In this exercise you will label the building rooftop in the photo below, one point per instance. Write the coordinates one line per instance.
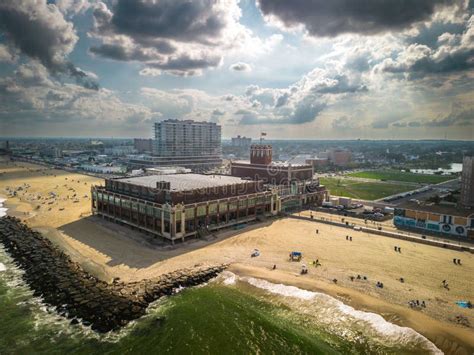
(273, 163)
(441, 209)
(183, 182)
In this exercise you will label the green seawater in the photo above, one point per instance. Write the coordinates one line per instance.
(212, 319)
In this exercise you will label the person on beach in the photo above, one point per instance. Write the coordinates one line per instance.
(459, 261)
(274, 266)
(454, 260)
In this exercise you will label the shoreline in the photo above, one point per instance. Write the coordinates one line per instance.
(107, 250)
(80, 296)
(447, 337)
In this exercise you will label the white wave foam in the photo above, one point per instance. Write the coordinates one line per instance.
(281, 289)
(401, 335)
(229, 278)
(3, 210)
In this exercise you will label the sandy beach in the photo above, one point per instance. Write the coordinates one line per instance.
(109, 250)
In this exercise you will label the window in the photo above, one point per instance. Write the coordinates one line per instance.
(189, 213)
(212, 208)
(201, 211)
(149, 211)
(233, 205)
(222, 207)
(157, 212)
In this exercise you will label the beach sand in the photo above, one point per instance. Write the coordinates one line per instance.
(109, 250)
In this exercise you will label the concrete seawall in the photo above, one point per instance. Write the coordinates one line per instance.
(79, 295)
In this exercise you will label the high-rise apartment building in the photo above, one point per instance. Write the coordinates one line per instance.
(467, 181)
(241, 141)
(186, 143)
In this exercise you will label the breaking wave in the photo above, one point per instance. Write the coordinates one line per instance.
(330, 312)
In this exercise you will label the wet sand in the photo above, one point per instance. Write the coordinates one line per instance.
(109, 250)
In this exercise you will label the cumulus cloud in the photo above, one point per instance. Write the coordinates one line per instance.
(240, 66)
(31, 98)
(332, 18)
(40, 31)
(179, 37)
(453, 52)
(303, 101)
(6, 54)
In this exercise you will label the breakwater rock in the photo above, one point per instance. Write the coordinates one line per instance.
(80, 296)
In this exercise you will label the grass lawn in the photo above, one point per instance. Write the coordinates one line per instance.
(394, 175)
(363, 190)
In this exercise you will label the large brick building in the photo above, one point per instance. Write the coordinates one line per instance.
(184, 205)
(261, 167)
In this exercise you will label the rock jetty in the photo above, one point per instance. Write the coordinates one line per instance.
(80, 296)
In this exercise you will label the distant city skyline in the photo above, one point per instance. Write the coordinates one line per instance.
(294, 69)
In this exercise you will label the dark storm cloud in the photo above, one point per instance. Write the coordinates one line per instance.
(186, 21)
(429, 34)
(185, 63)
(456, 61)
(331, 18)
(180, 37)
(81, 77)
(122, 53)
(41, 32)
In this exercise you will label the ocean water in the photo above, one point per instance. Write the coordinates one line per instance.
(229, 315)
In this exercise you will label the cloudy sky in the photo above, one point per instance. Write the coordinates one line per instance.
(311, 69)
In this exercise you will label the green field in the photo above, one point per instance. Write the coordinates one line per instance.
(395, 175)
(363, 190)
